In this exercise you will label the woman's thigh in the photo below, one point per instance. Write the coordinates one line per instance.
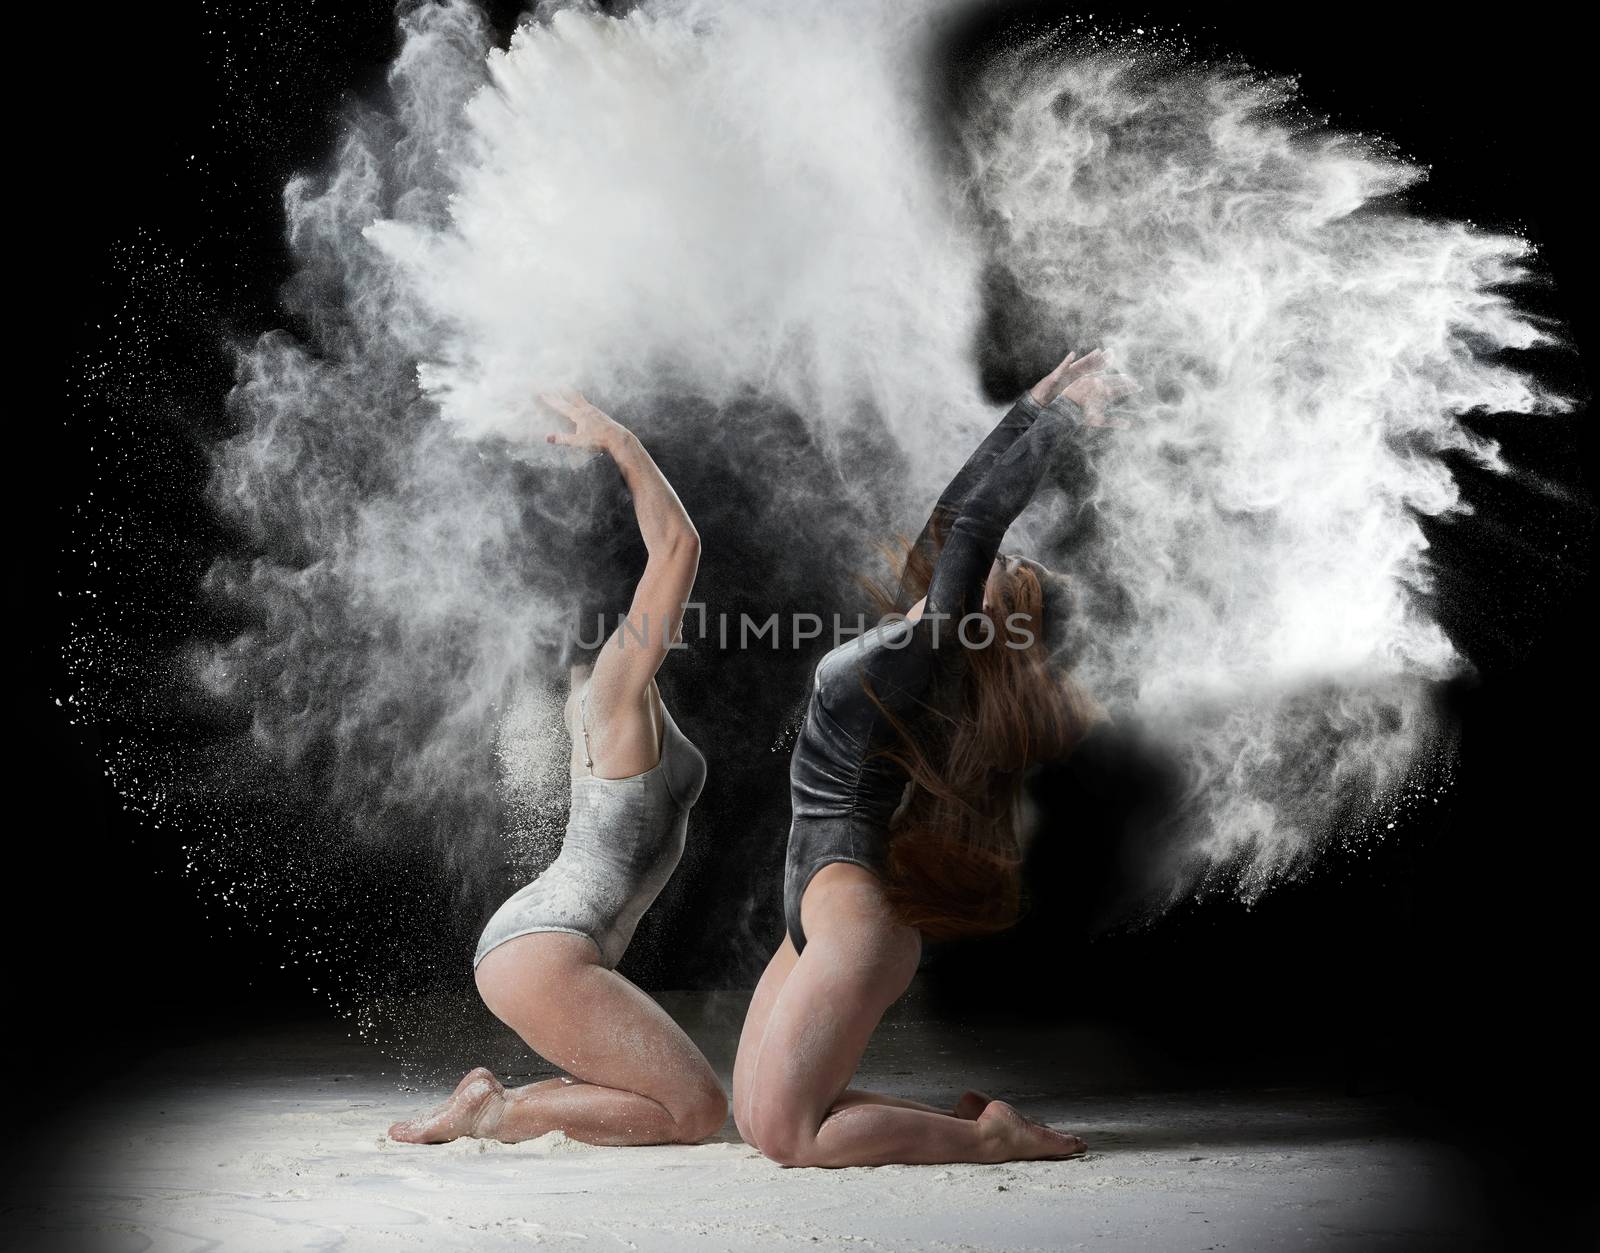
(857, 961)
(755, 1027)
(552, 990)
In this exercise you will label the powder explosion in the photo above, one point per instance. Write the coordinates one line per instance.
(716, 217)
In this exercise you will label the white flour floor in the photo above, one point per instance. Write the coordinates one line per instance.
(276, 1143)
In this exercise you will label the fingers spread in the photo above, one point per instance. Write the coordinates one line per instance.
(1089, 362)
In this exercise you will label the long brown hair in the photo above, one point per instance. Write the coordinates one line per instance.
(955, 866)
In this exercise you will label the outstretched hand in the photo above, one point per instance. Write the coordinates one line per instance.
(592, 429)
(1083, 381)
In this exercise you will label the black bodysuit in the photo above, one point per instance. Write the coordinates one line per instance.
(843, 795)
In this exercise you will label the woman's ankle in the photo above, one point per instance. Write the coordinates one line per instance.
(486, 1122)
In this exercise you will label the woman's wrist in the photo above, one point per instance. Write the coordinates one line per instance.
(1062, 405)
(1070, 408)
(618, 441)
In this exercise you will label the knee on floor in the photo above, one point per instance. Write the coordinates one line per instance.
(702, 1114)
(783, 1140)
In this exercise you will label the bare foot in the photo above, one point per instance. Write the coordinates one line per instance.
(1019, 1139)
(972, 1104)
(457, 1117)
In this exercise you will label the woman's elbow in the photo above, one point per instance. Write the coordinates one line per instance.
(677, 550)
(685, 545)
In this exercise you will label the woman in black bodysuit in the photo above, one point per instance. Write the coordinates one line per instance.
(954, 698)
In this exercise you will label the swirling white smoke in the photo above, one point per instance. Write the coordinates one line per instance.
(719, 200)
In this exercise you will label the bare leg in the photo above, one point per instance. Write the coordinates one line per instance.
(638, 1079)
(755, 1026)
(871, 1134)
(969, 1106)
(819, 1012)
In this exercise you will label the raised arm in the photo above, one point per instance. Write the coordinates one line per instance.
(991, 507)
(1012, 427)
(1062, 406)
(947, 509)
(634, 652)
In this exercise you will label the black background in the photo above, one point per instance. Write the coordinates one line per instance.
(1450, 968)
